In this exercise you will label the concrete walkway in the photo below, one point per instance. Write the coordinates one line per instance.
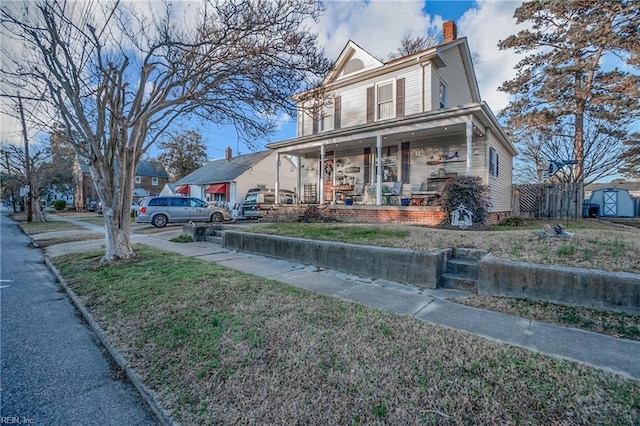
(620, 356)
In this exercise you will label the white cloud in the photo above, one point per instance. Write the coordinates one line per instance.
(378, 26)
(484, 27)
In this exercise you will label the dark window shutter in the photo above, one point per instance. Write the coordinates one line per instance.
(370, 102)
(405, 164)
(337, 111)
(315, 121)
(400, 97)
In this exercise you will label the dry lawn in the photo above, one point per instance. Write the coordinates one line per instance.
(597, 244)
(223, 347)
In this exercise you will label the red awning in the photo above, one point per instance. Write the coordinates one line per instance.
(217, 188)
(184, 189)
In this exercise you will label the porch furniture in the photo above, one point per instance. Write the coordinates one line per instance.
(358, 193)
(310, 194)
(392, 197)
(343, 191)
(429, 192)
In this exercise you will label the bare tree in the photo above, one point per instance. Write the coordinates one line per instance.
(413, 44)
(46, 173)
(539, 146)
(118, 75)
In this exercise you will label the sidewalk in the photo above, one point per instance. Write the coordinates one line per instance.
(620, 356)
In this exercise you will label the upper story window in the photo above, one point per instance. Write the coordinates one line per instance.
(384, 101)
(443, 94)
(326, 117)
(154, 181)
(138, 179)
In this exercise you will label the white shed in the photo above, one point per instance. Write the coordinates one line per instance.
(613, 202)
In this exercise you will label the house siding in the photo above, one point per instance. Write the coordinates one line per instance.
(500, 186)
(455, 77)
(263, 174)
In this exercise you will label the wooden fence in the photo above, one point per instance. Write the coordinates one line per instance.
(548, 201)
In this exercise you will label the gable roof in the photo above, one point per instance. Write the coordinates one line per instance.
(152, 168)
(221, 170)
(352, 60)
(343, 73)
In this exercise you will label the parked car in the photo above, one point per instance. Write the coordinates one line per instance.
(134, 207)
(161, 210)
(258, 200)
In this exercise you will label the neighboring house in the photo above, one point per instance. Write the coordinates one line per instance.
(227, 180)
(414, 122)
(150, 178)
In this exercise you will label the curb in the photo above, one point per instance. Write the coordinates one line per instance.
(145, 393)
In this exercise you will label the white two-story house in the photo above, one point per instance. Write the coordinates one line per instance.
(382, 138)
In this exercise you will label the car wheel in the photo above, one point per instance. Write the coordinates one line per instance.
(217, 217)
(160, 221)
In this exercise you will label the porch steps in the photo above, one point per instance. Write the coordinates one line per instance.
(461, 271)
(216, 237)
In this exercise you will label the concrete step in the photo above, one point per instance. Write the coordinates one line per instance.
(214, 239)
(468, 268)
(459, 282)
(468, 254)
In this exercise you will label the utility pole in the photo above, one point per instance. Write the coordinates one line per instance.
(27, 168)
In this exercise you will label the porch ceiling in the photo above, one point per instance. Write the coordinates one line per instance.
(364, 139)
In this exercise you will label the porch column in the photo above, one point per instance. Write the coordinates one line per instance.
(277, 186)
(322, 154)
(379, 170)
(469, 131)
(299, 191)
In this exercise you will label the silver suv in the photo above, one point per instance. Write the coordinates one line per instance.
(159, 211)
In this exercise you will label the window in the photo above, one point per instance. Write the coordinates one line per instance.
(390, 164)
(138, 179)
(154, 181)
(326, 118)
(179, 202)
(493, 162)
(443, 94)
(385, 101)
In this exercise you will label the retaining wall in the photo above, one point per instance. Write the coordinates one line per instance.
(418, 268)
(565, 285)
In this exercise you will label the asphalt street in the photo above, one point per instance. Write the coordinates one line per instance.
(53, 369)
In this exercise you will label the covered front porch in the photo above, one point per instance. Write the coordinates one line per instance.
(395, 163)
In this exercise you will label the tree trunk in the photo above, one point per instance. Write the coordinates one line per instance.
(578, 145)
(116, 194)
(37, 211)
(117, 235)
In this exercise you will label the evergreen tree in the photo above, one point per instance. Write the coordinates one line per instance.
(567, 83)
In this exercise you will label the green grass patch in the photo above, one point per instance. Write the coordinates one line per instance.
(220, 344)
(607, 322)
(351, 233)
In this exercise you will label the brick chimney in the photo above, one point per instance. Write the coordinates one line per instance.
(227, 154)
(449, 32)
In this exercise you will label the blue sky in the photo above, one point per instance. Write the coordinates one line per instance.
(378, 26)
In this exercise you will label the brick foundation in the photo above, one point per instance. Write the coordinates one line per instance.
(416, 215)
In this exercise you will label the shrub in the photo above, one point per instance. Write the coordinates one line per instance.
(59, 205)
(469, 191)
(512, 221)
